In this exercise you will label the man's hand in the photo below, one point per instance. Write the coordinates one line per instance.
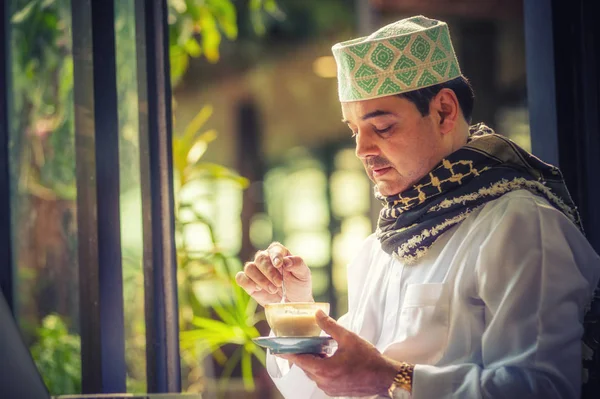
(262, 277)
(356, 369)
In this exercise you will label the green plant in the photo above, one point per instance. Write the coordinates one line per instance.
(235, 324)
(230, 318)
(196, 28)
(57, 354)
(42, 66)
(188, 170)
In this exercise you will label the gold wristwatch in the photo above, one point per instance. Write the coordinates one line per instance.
(403, 379)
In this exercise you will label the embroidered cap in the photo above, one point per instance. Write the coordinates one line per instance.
(406, 55)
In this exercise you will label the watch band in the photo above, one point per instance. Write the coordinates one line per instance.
(403, 379)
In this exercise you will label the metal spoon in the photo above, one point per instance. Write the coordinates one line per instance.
(282, 287)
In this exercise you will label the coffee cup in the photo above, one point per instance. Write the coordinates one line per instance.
(295, 319)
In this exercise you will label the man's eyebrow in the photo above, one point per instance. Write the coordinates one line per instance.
(375, 114)
(370, 115)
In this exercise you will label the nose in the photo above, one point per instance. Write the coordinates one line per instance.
(365, 146)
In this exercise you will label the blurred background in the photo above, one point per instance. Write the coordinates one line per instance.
(259, 154)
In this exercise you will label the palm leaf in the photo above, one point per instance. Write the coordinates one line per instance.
(247, 369)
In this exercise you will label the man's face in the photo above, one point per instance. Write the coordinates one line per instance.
(396, 145)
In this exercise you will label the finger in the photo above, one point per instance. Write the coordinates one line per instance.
(277, 252)
(246, 283)
(261, 296)
(296, 267)
(251, 270)
(311, 376)
(309, 363)
(330, 326)
(292, 359)
(265, 265)
(287, 356)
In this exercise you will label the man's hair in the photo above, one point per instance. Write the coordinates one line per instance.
(460, 86)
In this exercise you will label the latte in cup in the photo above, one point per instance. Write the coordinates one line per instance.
(295, 319)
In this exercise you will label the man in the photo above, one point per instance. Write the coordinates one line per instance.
(476, 280)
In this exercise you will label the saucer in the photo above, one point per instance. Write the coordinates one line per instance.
(282, 345)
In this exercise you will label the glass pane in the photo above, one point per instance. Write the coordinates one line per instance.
(131, 200)
(43, 199)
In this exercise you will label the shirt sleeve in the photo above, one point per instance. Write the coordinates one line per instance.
(292, 382)
(535, 274)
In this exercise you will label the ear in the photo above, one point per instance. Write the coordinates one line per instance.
(445, 105)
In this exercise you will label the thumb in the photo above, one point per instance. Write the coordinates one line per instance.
(330, 326)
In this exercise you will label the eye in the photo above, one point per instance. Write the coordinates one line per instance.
(381, 131)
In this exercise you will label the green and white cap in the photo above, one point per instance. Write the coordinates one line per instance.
(406, 55)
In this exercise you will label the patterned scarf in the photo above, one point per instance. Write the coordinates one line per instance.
(487, 167)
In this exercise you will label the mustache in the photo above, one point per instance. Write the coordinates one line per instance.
(377, 162)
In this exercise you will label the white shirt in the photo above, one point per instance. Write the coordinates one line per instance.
(493, 310)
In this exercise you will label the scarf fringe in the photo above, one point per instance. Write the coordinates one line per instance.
(497, 189)
(404, 250)
(504, 186)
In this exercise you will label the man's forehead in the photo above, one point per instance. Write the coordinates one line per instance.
(363, 110)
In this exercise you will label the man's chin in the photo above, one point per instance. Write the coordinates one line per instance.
(388, 190)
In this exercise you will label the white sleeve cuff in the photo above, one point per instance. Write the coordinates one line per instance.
(291, 382)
